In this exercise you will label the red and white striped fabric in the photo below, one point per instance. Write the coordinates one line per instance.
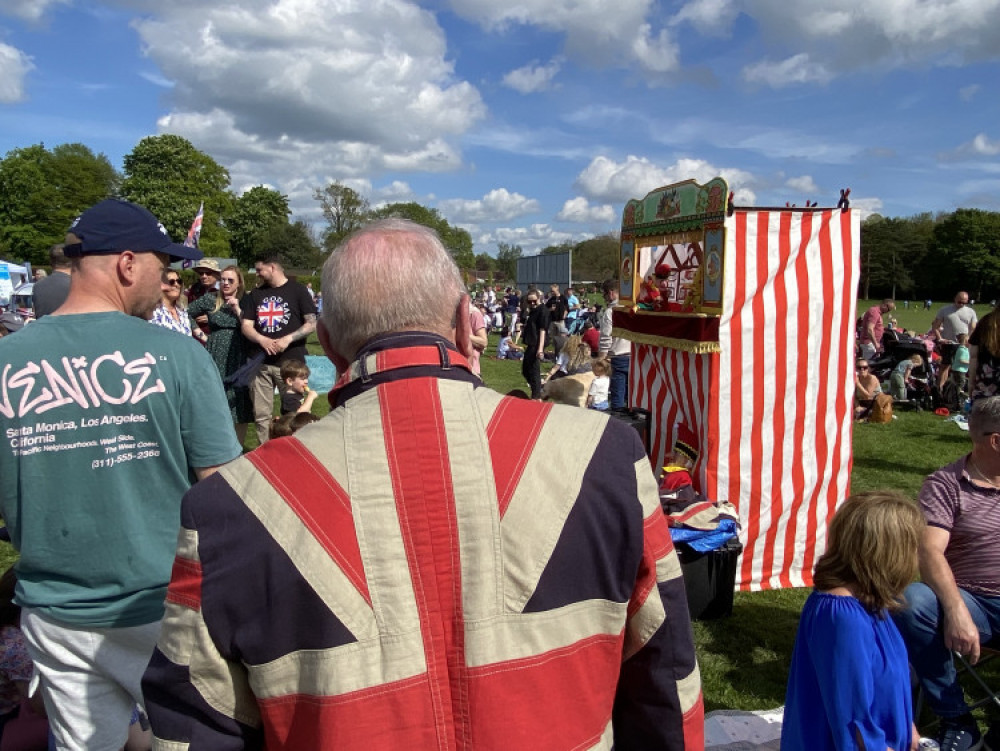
(772, 410)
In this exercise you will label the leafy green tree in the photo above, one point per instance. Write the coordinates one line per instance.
(507, 255)
(970, 239)
(344, 209)
(485, 266)
(294, 243)
(596, 259)
(255, 212)
(171, 178)
(457, 240)
(892, 250)
(43, 191)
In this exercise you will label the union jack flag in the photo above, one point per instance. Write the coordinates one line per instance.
(272, 313)
(194, 234)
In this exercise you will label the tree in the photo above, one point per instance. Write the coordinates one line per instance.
(485, 266)
(256, 211)
(42, 192)
(892, 249)
(457, 240)
(970, 239)
(293, 242)
(344, 209)
(171, 178)
(597, 258)
(507, 255)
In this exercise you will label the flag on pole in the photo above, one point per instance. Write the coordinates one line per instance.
(194, 234)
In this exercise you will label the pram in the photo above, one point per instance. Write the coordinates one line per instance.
(922, 392)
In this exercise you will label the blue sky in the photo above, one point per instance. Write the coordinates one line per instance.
(528, 121)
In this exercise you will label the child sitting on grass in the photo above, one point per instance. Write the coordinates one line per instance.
(506, 349)
(597, 396)
(296, 397)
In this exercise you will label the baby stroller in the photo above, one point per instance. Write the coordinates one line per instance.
(922, 391)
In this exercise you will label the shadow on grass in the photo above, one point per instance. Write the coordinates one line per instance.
(744, 659)
(890, 465)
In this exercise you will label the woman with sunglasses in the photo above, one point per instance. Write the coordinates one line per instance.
(170, 313)
(866, 388)
(224, 341)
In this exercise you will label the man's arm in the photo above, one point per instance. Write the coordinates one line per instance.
(202, 472)
(479, 339)
(960, 632)
(936, 327)
(604, 345)
(265, 343)
(302, 332)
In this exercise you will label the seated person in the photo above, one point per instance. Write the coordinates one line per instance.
(506, 349)
(866, 387)
(597, 393)
(573, 358)
(956, 606)
(296, 397)
(591, 337)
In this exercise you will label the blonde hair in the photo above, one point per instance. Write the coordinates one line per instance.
(601, 367)
(240, 287)
(872, 549)
(577, 354)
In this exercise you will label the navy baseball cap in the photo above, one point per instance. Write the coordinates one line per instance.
(114, 225)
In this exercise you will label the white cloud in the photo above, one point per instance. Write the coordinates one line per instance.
(867, 206)
(847, 35)
(27, 10)
(395, 192)
(968, 93)
(532, 77)
(804, 184)
(608, 180)
(579, 210)
(595, 33)
(796, 69)
(531, 239)
(709, 17)
(984, 146)
(14, 67)
(499, 205)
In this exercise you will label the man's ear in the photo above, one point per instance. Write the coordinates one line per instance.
(324, 339)
(463, 327)
(126, 265)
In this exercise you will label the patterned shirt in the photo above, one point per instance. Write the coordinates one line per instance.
(162, 317)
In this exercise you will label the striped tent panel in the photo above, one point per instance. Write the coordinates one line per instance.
(673, 385)
(779, 422)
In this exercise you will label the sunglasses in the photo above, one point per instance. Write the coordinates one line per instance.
(863, 367)
(228, 281)
(173, 282)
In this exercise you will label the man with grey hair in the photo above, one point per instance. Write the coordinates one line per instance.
(956, 606)
(431, 565)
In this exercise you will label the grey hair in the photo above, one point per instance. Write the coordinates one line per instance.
(984, 417)
(362, 280)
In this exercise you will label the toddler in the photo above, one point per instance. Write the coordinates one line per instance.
(296, 397)
(597, 397)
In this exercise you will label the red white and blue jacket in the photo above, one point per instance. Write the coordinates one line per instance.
(431, 566)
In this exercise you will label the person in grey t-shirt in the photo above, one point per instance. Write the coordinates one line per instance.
(50, 292)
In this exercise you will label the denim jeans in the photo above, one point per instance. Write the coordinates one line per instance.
(618, 391)
(920, 625)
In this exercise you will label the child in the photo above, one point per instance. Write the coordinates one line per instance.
(506, 349)
(849, 681)
(573, 358)
(960, 364)
(902, 375)
(296, 397)
(597, 397)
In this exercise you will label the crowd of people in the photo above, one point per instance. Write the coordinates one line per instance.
(424, 567)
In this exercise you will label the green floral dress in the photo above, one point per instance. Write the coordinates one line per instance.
(228, 349)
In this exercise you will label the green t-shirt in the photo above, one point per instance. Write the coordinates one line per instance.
(103, 418)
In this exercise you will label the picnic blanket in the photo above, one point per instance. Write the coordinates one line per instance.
(734, 730)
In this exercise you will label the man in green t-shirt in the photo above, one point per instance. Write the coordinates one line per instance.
(105, 422)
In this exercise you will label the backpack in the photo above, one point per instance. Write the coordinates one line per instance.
(881, 410)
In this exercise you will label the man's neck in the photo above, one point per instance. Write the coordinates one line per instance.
(985, 466)
(278, 280)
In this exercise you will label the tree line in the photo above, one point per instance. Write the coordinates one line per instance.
(931, 256)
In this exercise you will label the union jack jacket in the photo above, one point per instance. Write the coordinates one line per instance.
(431, 566)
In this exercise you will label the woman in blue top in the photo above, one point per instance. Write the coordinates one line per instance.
(849, 682)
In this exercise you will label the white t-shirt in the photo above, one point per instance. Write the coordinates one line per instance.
(599, 388)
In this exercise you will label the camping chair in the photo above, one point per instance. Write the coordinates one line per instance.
(989, 695)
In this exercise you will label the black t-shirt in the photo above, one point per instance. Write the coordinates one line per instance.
(538, 321)
(291, 401)
(278, 311)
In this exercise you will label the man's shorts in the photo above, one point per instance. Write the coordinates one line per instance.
(947, 351)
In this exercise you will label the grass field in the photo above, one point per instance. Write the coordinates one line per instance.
(744, 658)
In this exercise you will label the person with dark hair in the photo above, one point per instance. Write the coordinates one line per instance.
(131, 415)
(50, 291)
(278, 317)
(615, 349)
(849, 681)
(955, 607)
(984, 357)
(533, 333)
(397, 576)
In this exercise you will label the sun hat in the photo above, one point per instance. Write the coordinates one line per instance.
(208, 263)
(114, 226)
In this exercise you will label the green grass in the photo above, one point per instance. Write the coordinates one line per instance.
(744, 659)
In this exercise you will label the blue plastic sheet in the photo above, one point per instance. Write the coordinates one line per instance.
(322, 374)
(702, 541)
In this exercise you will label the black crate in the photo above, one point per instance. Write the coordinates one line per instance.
(639, 419)
(709, 579)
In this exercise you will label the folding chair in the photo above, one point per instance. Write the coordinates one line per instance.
(990, 695)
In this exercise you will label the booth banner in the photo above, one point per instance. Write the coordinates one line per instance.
(773, 408)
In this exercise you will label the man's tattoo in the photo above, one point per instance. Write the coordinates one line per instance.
(306, 329)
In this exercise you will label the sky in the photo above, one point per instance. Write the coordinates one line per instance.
(528, 122)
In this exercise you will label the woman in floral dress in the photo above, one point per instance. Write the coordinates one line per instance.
(224, 341)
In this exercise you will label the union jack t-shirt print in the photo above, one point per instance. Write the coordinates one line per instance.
(272, 314)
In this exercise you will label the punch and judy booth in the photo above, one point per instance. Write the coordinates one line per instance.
(742, 324)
